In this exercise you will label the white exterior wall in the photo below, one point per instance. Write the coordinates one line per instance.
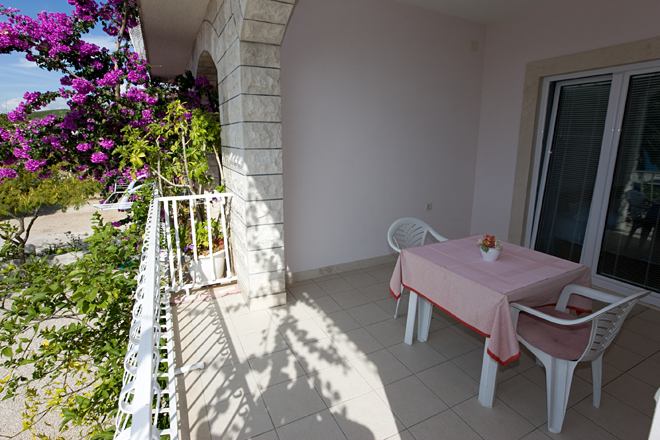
(543, 30)
(380, 111)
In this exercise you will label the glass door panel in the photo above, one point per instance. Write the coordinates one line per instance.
(579, 116)
(630, 247)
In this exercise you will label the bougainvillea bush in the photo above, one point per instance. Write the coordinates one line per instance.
(63, 329)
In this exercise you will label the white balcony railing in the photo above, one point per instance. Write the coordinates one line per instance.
(171, 261)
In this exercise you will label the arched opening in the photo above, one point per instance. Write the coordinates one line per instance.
(206, 69)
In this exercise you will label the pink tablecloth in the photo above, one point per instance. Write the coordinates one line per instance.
(453, 277)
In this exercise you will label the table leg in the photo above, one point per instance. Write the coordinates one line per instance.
(488, 378)
(424, 321)
(410, 322)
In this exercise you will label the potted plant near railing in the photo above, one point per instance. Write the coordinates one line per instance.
(202, 270)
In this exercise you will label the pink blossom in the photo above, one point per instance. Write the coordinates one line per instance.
(7, 173)
(85, 146)
(99, 157)
(33, 165)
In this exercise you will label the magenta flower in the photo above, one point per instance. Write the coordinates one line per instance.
(7, 173)
(33, 165)
(85, 146)
(107, 144)
(99, 157)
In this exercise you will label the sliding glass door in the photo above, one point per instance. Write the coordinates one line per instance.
(598, 184)
(630, 245)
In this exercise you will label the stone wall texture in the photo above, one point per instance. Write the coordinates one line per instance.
(243, 39)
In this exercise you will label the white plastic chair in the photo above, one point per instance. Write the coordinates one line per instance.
(120, 198)
(409, 232)
(560, 341)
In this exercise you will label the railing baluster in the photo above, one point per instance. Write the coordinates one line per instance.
(175, 210)
(193, 228)
(207, 202)
(168, 238)
(223, 218)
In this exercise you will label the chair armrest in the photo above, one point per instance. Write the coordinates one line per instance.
(559, 321)
(436, 235)
(588, 292)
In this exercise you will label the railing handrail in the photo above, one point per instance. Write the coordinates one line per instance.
(151, 337)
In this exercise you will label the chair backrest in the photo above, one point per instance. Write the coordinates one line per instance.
(409, 232)
(606, 324)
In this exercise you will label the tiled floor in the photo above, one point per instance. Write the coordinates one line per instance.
(331, 365)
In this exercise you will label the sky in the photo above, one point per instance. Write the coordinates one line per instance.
(17, 75)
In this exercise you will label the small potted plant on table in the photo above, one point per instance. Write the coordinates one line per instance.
(490, 247)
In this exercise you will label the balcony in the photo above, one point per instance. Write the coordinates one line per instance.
(331, 364)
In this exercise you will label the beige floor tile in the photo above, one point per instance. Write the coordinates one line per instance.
(309, 290)
(261, 343)
(451, 342)
(580, 388)
(403, 435)
(411, 400)
(577, 427)
(292, 312)
(525, 397)
(339, 383)
(351, 298)
(334, 285)
(194, 422)
(497, 423)
(621, 358)
(270, 435)
(368, 314)
(235, 408)
(303, 331)
(610, 372)
(381, 273)
(260, 320)
(634, 392)
(648, 371)
(389, 304)
(319, 426)
(446, 426)
(617, 418)
(449, 383)
(339, 322)
(274, 368)
(359, 278)
(417, 357)
(535, 435)
(647, 327)
(356, 342)
(292, 400)
(380, 368)
(366, 418)
(649, 314)
(389, 332)
(471, 362)
(315, 356)
(321, 307)
(637, 343)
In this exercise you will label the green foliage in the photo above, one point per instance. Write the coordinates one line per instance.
(176, 148)
(69, 324)
(30, 195)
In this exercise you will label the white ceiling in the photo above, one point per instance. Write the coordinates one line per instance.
(481, 11)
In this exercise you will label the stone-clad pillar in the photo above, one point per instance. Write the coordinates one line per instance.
(243, 38)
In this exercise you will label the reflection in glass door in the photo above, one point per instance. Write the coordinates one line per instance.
(574, 143)
(630, 248)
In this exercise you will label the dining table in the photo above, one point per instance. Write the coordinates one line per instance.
(453, 277)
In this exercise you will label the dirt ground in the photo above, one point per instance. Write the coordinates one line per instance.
(50, 229)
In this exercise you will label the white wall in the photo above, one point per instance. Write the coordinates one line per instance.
(380, 116)
(543, 30)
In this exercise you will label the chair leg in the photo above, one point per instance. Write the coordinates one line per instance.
(396, 309)
(410, 321)
(424, 320)
(558, 376)
(597, 379)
